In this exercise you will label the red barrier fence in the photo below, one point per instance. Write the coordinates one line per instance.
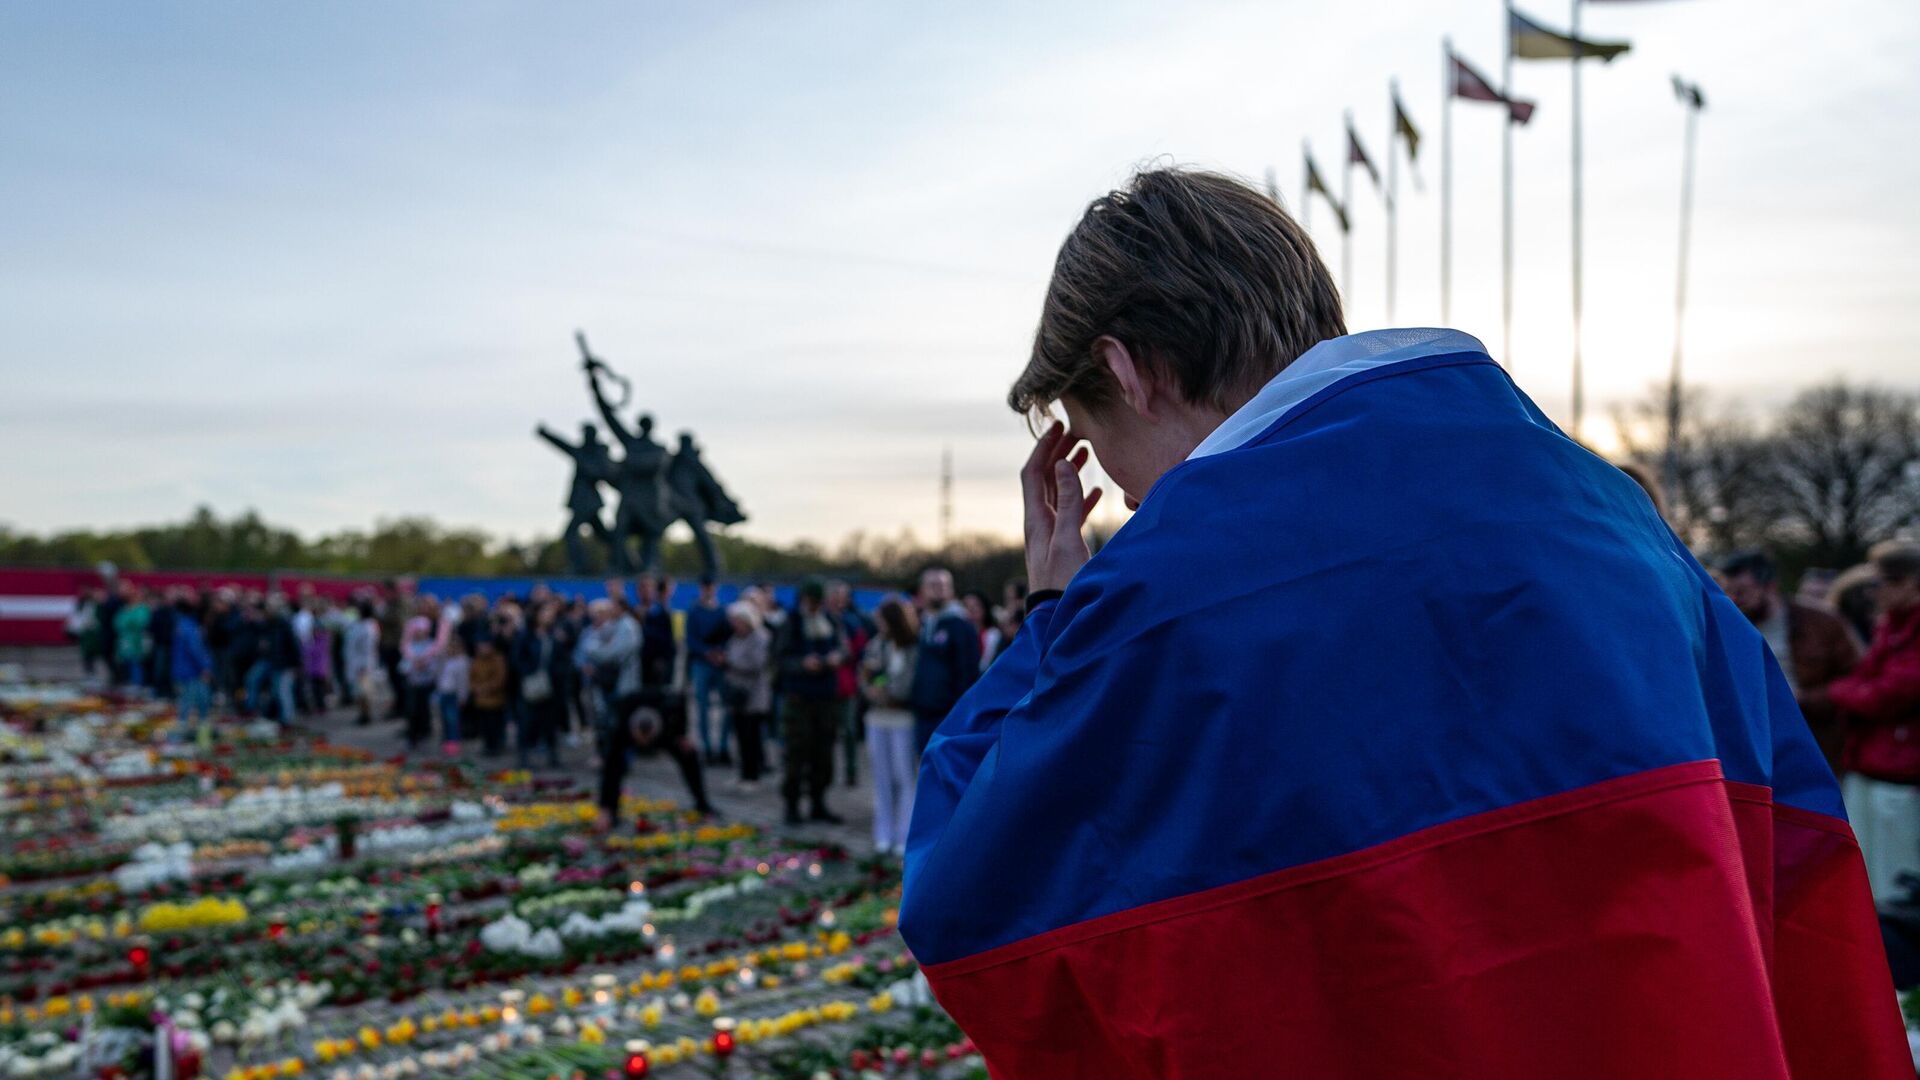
(35, 603)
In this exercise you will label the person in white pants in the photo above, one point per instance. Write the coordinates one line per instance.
(887, 678)
(1882, 697)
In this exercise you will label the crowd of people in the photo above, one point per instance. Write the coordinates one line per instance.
(717, 686)
(1849, 647)
(710, 686)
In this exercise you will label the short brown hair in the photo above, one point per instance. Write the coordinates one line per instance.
(1197, 274)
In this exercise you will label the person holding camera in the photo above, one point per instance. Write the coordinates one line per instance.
(632, 715)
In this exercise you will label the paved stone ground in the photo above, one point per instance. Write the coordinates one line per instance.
(650, 776)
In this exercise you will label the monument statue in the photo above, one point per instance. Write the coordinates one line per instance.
(655, 488)
(592, 464)
(699, 499)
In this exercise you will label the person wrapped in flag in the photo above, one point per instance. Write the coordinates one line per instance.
(1394, 736)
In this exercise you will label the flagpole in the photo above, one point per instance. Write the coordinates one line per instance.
(1393, 188)
(1446, 186)
(1680, 301)
(1346, 234)
(1579, 387)
(1506, 201)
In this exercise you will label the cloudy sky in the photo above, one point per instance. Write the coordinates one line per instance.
(325, 260)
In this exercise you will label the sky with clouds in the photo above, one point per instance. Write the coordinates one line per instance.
(325, 260)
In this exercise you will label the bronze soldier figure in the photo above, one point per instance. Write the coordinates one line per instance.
(698, 499)
(592, 465)
(639, 477)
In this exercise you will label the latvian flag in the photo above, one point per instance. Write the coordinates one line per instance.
(1471, 85)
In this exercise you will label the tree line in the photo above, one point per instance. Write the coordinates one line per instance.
(1818, 482)
(415, 545)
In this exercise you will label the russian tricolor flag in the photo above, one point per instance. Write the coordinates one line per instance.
(1395, 736)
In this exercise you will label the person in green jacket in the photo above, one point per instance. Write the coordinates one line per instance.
(130, 638)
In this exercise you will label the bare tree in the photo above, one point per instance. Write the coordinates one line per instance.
(1846, 469)
(1715, 474)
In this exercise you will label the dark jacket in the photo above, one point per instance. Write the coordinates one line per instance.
(245, 640)
(707, 628)
(526, 655)
(219, 632)
(280, 648)
(795, 644)
(160, 629)
(657, 649)
(109, 634)
(949, 663)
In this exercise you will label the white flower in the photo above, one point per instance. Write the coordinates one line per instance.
(507, 934)
(546, 943)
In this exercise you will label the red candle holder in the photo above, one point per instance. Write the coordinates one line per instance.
(637, 1064)
(723, 1038)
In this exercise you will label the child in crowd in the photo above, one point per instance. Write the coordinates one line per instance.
(451, 689)
(487, 683)
(420, 663)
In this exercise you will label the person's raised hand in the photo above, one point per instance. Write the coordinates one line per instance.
(1056, 509)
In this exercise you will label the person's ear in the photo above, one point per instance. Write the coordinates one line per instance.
(1134, 381)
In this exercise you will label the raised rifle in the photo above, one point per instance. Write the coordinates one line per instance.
(596, 367)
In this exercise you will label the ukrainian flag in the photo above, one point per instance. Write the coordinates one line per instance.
(1531, 41)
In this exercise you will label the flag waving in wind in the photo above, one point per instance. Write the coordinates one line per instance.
(1531, 41)
(1357, 154)
(1471, 85)
(1403, 128)
(1689, 92)
(1317, 185)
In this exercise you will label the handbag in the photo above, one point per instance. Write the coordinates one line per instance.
(537, 685)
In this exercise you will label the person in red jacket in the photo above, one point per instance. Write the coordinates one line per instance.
(1882, 696)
